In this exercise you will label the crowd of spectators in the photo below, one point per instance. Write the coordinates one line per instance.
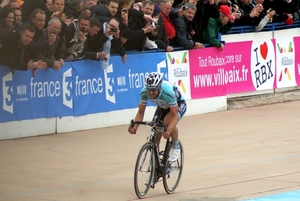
(36, 34)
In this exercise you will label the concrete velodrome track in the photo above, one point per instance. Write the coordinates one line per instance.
(229, 155)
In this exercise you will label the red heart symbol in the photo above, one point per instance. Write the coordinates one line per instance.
(264, 50)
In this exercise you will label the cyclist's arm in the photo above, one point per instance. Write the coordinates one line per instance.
(140, 114)
(174, 119)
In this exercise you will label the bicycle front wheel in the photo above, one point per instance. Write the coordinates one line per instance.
(173, 171)
(144, 170)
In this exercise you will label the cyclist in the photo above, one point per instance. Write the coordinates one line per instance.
(171, 106)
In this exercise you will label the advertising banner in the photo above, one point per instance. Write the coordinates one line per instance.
(179, 71)
(297, 59)
(28, 97)
(116, 87)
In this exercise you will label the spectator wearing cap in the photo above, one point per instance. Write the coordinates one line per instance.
(221, 24)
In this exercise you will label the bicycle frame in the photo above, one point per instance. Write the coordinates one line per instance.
(159, 161)
(154, 130)
(150, 166)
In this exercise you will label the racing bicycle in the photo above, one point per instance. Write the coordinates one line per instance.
(153, 166)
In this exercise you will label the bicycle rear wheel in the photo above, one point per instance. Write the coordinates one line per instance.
(144, 170)
(173, 171)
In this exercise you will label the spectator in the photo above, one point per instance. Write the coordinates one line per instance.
(49, 5)
(93, 42)
(89, 3)
(29, 6)
(141, 29)
(112, 44)
(104, 12)
(284, 10)
(184, 32)
(221, 24)
(266, 17)
(20, 2)
(14, 4)
(162, 41)
(265, 20)
(169, 28)
(75, 37)
(18, 18)
(38, 18)
(3, 4)
(251, 14)
(205, 9)
(7, 20)
(58, 11)
(180, 5)
(138, 6)
(52, 55)
(17, 43)
(73, 9)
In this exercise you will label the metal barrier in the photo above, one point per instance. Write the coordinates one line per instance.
(268, 27)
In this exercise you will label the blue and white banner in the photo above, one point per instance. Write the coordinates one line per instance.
(26, 97)
(115, 88)
(78, 88)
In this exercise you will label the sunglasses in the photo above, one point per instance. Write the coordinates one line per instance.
(151, 89)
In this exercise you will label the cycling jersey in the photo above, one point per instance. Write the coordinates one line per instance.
(168, 96)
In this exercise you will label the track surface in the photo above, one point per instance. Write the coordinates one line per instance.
(229, 155)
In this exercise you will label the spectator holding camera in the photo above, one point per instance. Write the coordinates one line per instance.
(161, 41)
(52, 55)
(183, 28)
(75, 37)
(109, 42)
(251, 14)
(140, 29)
(284, 10)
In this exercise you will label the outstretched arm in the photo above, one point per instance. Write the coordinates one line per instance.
(138, 117)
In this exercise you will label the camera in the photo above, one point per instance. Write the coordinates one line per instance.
(124, 10)
(184, 7)
(112, 29)
(152, 24)
(53, 31)
(82, 29)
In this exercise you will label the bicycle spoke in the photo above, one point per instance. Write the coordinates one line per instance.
(144, 171)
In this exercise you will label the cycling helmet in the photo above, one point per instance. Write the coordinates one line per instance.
(153, 80)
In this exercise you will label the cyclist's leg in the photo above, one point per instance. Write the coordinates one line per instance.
(174, 134)
(181, 111)
(158, 117)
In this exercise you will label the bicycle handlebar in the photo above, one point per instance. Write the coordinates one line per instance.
(148, 123)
